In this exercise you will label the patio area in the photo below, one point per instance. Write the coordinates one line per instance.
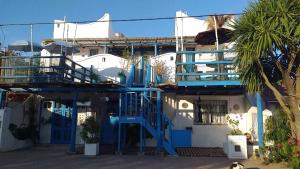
(55, 157)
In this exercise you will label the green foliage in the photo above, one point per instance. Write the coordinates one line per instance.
(287, 152)
(94, 78)
(234, 124)
(267, 30)
(277, 128)
(90, 131)
(121, 73)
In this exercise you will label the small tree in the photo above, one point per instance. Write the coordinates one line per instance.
(90, 131)
(267, 40)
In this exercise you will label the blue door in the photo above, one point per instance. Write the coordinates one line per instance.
(61, 125)
(109, 130)
(182, 138)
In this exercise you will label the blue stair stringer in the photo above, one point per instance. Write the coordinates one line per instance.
(140, 120)
(138, 106)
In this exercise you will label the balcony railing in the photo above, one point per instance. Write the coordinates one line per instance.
(42, 69)
(206, 68)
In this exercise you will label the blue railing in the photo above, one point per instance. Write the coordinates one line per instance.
(42, 69)
(206, 68)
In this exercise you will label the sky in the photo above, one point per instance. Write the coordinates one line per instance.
(33, 11)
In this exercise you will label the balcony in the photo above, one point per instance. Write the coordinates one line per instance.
(206, 68)
(42, 69)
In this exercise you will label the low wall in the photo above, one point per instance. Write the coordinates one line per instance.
(7, 141)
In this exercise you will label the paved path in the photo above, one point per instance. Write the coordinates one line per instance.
(55, 157)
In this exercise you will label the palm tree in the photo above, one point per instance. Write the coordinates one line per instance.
(267, 40)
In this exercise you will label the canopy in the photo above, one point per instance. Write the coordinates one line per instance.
(209, 37)
(25, 46)
(60, 46)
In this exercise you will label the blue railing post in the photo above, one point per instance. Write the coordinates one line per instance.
(260, 120)
(155, 49)
(158, 120)
(148, 75)
(72, 146)
(141, 78)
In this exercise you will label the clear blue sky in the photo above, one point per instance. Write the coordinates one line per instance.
(29, 11)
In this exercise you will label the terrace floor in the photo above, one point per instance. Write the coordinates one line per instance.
(55, 157)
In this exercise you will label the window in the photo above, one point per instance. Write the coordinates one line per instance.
(103, 59)
(210, 111)
(171, 58)
(93, 52)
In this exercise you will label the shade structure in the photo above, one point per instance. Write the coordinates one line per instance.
(60, 47)
(25, 46)
(209, 37)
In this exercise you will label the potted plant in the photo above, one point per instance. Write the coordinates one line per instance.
(236, 141)
(122, 77)
(90, 135)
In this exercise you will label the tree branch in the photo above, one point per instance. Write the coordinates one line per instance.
(277, 94)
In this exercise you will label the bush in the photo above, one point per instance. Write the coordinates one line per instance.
(90, 131)
(277, 128)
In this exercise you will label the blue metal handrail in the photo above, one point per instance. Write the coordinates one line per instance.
(219, 71)
(204, 51)
(31, 70)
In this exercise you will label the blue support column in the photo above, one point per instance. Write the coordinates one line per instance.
(260, 120)
(130, 104)
(63, 110)
(141, 74)
(158, 120)
(136, 103)
(141, 138)
(72, 146)
(119, 129)
(125, 104)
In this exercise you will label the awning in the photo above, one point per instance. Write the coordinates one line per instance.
(25, 46)
(209, 37)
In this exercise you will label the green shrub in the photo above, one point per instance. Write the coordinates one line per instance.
(90, 131)
(277, 128)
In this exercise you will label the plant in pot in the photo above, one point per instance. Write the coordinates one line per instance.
(236, 141)
(161, 69)
(90, 135)
(122, 77)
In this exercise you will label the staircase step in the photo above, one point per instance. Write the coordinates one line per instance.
(200, 152)
(131, 119)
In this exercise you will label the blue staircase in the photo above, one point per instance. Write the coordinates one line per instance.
(156, 135)
(142, 105)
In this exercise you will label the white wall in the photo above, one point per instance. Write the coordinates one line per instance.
(204, 135)
(107, 66)
(211, 135)
(170, 64)
(63, 30)
(45, 130)
(188, 26)
(7, 141)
